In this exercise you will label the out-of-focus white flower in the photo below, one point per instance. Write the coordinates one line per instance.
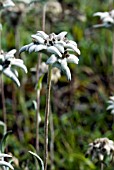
(7, 64)
(111, 104)
(6, 4)
(100, 148)
(3, 162)
(107, 19)
(53, 10)
(59, 46)
(55, 75)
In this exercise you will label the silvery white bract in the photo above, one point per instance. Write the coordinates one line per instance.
(6, 4)
(107, 19)
(3, 163)
(8, 63)
(100, 148)
(58, 46)
(111, 104)
(61, 63)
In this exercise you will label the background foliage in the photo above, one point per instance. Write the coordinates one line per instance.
(78, 107)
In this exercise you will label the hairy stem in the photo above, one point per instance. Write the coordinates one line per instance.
(37, 77)
(52, 140)
(3, 101)
(102, 166)
(38, 104)
(113, 51)
(0, 38)
(47, 110)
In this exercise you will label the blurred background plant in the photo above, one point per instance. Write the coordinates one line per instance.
(79, 108)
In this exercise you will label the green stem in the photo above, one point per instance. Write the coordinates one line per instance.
(47, 110)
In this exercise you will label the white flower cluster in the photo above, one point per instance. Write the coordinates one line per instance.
(58, 46)
(7, 64)
(107, 19)
(6, 4)
(111, 104)
(3, 163)
(100, 149)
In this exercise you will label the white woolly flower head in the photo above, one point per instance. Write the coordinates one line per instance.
(107, 19)
(100, 148)
(8, 62)
(60, 49)
(6, 4)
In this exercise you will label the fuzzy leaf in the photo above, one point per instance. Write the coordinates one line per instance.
(52, 59)
(9, 73)
(4, 163)
(42, 34)
(54, 50)
(38, 39)
(62, 35)
(17, 62)
(72, 59)
(3, 155)
(59, 47)
(25, 47)
(32, 48)
(69, 45)
(40, 47)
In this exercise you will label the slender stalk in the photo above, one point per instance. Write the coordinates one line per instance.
(3, 101)
(0, 31)
(37, 77)
(38, 105)
(102, 166)
(52, 140)
(113, 51)
(47, 110)
(14, 102)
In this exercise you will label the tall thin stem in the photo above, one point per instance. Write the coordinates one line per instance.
(0, 31)
(47, 110)
(38, 105)
(113, 51)
(52, 140)
(102, 166)
(37, 77)
(3, 101)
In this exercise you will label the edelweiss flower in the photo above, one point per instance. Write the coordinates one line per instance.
(7, 61)
(4, 163)
(111, 104)
(100, 148)
(107, 19)
(6, 3)
(58, 46)
(61, 63)
(55, 75)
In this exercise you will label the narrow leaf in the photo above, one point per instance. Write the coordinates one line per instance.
(3, 141)
(38, 158)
